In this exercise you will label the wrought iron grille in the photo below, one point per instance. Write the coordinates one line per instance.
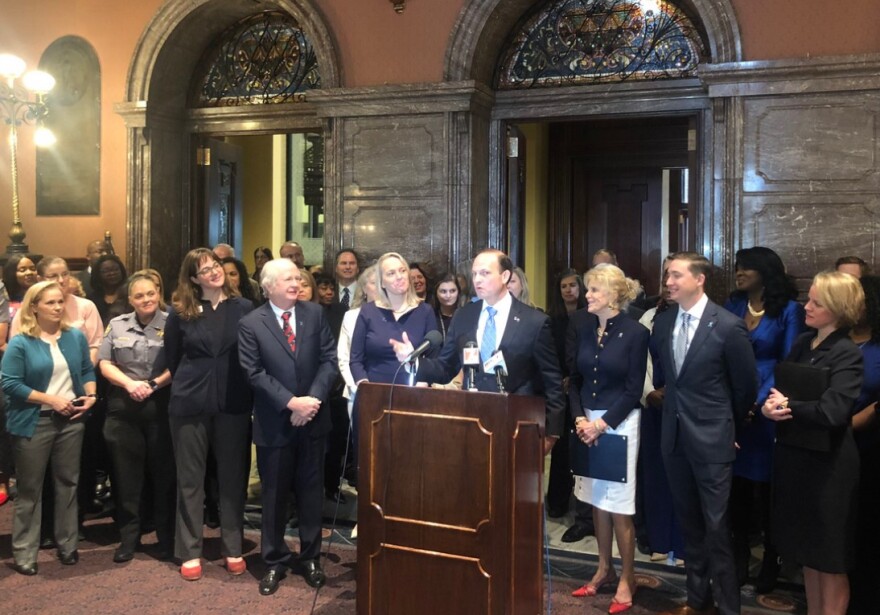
(265, 58)
(573, 42)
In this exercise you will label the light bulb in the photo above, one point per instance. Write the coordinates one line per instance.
(38, 82)
(11, 67)
(43, 137)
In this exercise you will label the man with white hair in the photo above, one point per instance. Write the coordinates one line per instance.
(288, 353)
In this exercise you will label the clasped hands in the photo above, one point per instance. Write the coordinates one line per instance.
(776, 407)
(139, 390)
(303, 409)
(65, 406)
(589, 431)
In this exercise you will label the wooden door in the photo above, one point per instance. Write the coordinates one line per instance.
(606, 191)
(218, 208)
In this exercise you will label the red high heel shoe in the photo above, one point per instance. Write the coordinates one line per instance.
(619, 607)
(591, 589)
(4, 494)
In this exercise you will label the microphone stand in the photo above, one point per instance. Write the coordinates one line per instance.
(499, 380)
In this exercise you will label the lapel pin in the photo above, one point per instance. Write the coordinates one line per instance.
(516, 318)
(620, 334)
(711, 324)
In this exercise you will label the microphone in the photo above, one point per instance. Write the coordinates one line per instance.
(470, 360)
(432, 339)
(497, 364)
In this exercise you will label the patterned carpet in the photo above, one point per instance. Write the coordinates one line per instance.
(149, 586)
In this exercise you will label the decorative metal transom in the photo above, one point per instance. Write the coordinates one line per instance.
(265, 58)
(573, 42)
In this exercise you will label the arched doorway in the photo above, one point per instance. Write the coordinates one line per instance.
(480, 39)
(161, 126)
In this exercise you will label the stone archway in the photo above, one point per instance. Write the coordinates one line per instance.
(160, 124)
(483, 27)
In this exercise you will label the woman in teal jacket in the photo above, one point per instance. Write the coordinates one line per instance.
(49, 382)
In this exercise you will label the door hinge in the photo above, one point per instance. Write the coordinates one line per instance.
(203, 156)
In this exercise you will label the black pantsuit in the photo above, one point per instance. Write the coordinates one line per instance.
(139, 440)
(209, 408)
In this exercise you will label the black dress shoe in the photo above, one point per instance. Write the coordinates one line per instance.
(69, 559)
(123, 554)
(269, 583)
(27, 570)
(312, 573)
(47, 542)
(576, 532)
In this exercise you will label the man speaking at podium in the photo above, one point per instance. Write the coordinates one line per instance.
(514, 342)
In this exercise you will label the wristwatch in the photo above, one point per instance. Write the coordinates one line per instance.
(153, 384)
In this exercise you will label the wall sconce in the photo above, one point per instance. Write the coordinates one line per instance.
(399, 5)
(22, 105)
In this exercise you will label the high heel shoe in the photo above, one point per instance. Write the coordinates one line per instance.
(619, 607)
(591, 589)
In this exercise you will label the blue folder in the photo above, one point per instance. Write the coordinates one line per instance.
(605, 460)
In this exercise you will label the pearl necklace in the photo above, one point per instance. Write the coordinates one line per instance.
(753, 312)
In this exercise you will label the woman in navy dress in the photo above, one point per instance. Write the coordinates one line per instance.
(396, 311)
(815, 463)
(765, 297)
(607, 357)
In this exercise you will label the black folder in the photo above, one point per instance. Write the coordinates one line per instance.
(802, 382)
(605, 460)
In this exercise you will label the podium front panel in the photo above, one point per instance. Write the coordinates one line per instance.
(449, 502)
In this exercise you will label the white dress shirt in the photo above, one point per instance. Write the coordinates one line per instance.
(278, 312)
(696, 313)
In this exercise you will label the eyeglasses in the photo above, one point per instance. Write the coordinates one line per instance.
(207, 270)
(57, 276)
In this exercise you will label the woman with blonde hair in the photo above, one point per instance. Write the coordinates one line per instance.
(49, 382)
(607, 354)
(210, 407)
(815, 526)
(519, 286)
(396, 312)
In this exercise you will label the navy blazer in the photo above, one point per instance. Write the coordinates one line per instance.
(277, 373)
(206, 374)
(529, 352)
(711, 395)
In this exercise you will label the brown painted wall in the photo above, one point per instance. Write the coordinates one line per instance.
(376, 46)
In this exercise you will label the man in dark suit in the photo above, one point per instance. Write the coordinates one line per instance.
(95, 250)
(518, 331)
(289, 355)
(703, 356)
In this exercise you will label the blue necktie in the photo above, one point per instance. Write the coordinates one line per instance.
(487, 347)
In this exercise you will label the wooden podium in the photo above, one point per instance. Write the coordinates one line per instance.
(450, 515)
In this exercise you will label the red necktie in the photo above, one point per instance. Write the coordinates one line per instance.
(287, 330)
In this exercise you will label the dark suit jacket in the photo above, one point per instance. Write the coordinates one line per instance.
(714, 390)
(206, 374)
(277, 374)
(529, 352)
